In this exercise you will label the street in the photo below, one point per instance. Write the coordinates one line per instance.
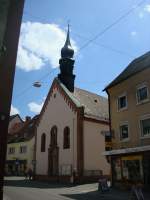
(19, 188)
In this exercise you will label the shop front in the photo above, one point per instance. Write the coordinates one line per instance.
(127, 168)
(15, 167)
(130, 166)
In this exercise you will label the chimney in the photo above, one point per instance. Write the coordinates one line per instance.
(28, 118)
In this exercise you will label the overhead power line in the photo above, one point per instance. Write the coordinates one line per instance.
(31, 85)
(106, 46)
(92, 40)
(112, 25)
(103, 31)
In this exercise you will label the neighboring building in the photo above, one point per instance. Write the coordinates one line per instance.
(70, 138)
(21, 149)
(129, 104)
(15, 123)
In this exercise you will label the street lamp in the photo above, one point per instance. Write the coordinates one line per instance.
(37, 84)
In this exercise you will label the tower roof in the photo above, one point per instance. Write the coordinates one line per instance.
(67, 51)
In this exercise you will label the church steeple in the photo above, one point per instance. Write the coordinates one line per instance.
(66, 62)
(67, 51)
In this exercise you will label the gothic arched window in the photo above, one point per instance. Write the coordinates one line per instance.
(53, 141)
(43, 142)
(66, 137)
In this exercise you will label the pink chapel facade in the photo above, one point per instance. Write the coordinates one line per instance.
(69, 135)
(86, 141)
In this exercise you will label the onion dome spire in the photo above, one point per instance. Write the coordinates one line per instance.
(67, 51)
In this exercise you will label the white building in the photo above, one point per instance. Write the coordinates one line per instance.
(15, 123)
(69, 137)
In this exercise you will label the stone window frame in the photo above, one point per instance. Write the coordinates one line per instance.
(66, 138)
(11, 150)
(53, 135)
(138, 87)
(124, 108)
(120, 125)
(43, 142)
(142, 118)
(23, 149)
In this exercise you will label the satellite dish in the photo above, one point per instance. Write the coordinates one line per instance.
(37, 84)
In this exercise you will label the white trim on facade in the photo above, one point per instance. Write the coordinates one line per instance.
(144, 117)
(127, 150)
(140, 86)
(121, 124)
(118, 97)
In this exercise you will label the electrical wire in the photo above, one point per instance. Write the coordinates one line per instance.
(92, 40)
(30, 86)
(112, 25)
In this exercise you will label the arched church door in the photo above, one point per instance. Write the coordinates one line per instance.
(53, 156)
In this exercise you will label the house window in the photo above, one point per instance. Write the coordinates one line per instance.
(142, 94)
(66, 138)
(53, 141)
(11, 150)
(43, 142)
(145, 127)
(122, 102)
(23, 149)
(124, 132)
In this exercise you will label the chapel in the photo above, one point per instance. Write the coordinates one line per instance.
(70, 135)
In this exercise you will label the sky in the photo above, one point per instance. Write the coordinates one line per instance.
(106, 36)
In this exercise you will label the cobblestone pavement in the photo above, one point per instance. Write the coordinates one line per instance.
(18, 188)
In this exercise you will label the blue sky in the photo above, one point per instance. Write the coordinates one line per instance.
(43, 35)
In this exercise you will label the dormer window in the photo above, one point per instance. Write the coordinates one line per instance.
(122, 102)
(142, 94)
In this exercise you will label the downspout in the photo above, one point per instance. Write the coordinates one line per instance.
(110, 129)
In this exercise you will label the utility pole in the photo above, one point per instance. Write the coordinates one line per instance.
(10, 21)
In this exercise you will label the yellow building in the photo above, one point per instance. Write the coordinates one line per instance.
(21, 149)
(129, 106)
(20, 156)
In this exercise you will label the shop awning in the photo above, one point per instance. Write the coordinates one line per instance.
(127, 150)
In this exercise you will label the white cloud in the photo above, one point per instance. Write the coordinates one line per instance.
(40, 44)
(14, 110)
(144, 10)
(35, 107)
(147, 8)
(133, 33)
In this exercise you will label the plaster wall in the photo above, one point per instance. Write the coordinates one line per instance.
(28, 155)
(133, 113)
(94, 146)
(57, 113)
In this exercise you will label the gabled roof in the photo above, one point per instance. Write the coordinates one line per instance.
(14, 116)
(95, 106)
(26, 133)
(139, 64)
